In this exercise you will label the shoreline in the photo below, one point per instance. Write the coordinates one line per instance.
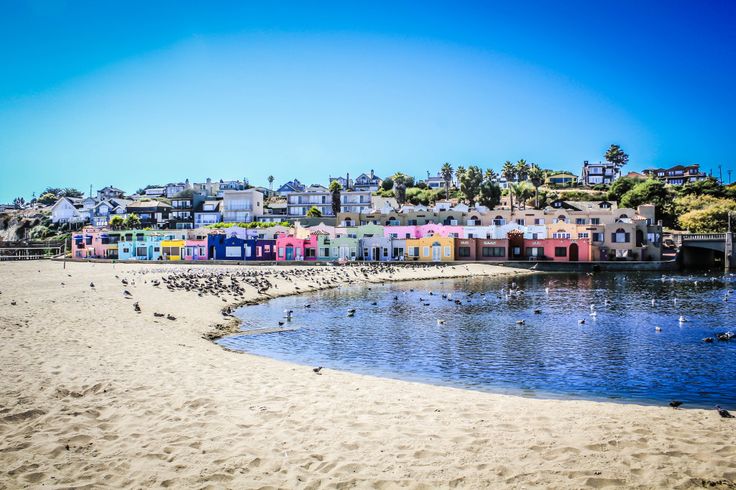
(97, 394)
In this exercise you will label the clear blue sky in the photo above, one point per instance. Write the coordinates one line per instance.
(132, 93)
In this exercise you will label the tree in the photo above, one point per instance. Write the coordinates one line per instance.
(508, 172)
(19, 202)
(522, 170)
(387, 184)
(399, 188)
(116, 222)
(132, 222)
(446, 173)
(710, 219)
(270, 182)
(48, 199)
(52, 190)
(536, 177)
(709, 186)
(459, 173)
(314, 212)
(617, 157)
(408, 180)
(522, 190)
(335, 189)
(490, 192)
(470, 183)
(71, 192)
(620, 187)
(655, 192)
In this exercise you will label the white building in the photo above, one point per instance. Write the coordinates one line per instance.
(67, 210)
(318, 196)
(241, 206)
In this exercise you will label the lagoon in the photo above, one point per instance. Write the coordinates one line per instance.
(615, 355)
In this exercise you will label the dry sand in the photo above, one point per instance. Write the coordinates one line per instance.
(94, 394)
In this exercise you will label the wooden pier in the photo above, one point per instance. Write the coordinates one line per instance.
(30, 250)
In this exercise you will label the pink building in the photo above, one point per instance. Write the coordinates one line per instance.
(400, 232)
(440, 230)
(94, 243)
(558, 249)
(290, 248)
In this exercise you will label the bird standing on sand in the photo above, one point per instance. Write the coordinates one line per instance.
(723, 412)
(317, 370)
(675, 404)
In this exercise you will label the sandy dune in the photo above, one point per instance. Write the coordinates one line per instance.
(94, 394)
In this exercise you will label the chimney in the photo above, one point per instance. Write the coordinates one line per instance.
(372, 174)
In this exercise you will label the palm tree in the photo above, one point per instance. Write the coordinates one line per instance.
(335, 189)
(270, 183)
(522, 191)
(522, 170)
(446, 173)
(536, 177)
(508, 172)
(314, 212)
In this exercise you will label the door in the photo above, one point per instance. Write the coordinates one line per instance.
(436, 252)
(376, 255)
(344, 252)
(289, 252)
(573, 252)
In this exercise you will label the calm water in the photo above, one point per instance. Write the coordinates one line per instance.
(617, 354)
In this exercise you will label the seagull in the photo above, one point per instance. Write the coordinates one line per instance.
(91, 284)
(658, 329)
(581, 322)
(682, 319)
(440, 322)
(675, 404)
(708, 340)
(520, 322)
(317, 370)
(724, 413)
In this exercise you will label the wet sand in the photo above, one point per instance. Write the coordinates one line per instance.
(95, 394)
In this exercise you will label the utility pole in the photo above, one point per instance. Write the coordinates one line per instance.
(728, 248)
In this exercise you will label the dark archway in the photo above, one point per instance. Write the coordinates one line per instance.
(573, 255)
(639, 238)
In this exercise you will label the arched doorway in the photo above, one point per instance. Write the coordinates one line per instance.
(436, 252)
(573, 255)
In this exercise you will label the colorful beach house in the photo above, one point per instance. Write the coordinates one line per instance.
(481, 249)
(141, 244)
(222, 246)
(291, 248)
(430, 249)
(95, 244)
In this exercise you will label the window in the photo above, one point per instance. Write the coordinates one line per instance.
(538, 221)
(493, 251)
(141, 251)
(156, 249)
(448, 251)
(520, 221)
(426, 251)
(583, 235)
(232, 251)
(597, 237)
(463, 252)
(595, 221)
(310, 252)
(398, 251)
(126, 250)
(535, 252)
(560, 251)
(414, 251)
(562, 235)
(393, 235)
(579, 221)
(326, 252)
(620, 236)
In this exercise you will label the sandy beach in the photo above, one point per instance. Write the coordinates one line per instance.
(95, 394)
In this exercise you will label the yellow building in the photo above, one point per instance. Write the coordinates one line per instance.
(171, 249)
(430, 249)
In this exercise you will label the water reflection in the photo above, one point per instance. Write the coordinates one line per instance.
(615, 354)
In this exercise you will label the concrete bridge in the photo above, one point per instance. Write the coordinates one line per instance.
(706, 250)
